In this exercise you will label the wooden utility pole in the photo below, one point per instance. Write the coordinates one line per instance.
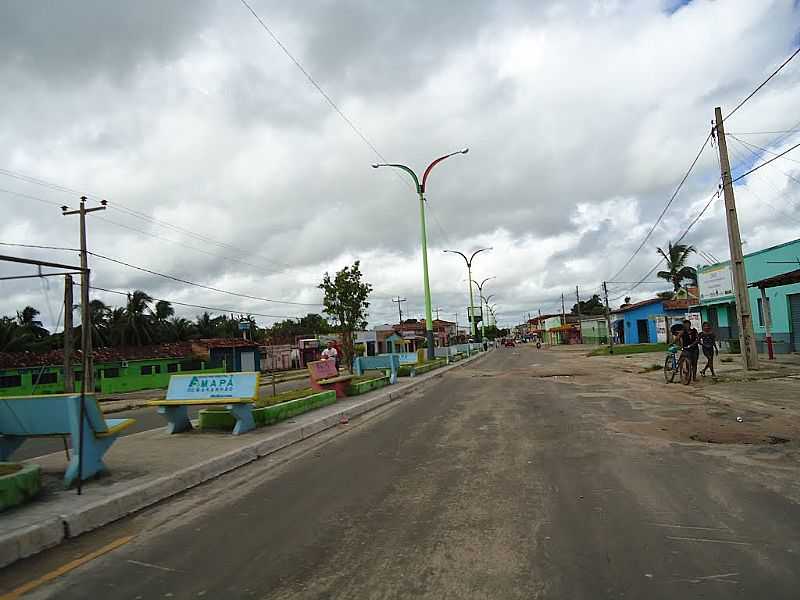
(399, 309)
(747, 339)
(608, 321)
(87, 381)
(69, 373)
(578, 309)
(563, 311)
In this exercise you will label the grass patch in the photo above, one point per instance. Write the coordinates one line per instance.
(627, 349)
(284, 397)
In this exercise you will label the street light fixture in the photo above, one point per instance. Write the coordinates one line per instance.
(421, 192)
(469, 279)
(480, 293)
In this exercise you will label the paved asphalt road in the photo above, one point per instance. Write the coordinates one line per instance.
(146, 418)
(491, 483)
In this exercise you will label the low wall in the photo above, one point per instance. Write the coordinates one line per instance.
(220, 418)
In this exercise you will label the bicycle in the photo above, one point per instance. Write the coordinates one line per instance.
(677, 365)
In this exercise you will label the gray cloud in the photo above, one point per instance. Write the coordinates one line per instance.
(580, 120)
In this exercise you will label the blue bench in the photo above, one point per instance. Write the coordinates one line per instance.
(235, 391)
(22, 417)
(384, 362)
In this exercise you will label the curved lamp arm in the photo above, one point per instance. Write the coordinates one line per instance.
(402, 167)
(478, 252)
(436, 162)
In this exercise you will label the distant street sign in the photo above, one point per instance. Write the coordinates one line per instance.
(244, 325)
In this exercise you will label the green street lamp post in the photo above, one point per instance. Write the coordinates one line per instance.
(480, 293)
(473, 329)
(425, 280)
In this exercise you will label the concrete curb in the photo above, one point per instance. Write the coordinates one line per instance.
(54, 529)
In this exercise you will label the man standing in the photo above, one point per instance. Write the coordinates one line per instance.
(330, 353)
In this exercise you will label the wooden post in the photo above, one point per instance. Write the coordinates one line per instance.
(608, 321)
(765, 307)
(69, 373)
(747, 338)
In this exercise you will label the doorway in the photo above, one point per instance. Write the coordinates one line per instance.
(248, 361)
(643, 331)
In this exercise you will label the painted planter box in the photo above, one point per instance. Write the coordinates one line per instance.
(19, 485)
(216, 418)
(367, 386)
(419, 369)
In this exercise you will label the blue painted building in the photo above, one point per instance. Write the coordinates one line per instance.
(639, 323)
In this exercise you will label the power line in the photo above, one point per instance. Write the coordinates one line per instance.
(40, 247)
(313, 82)
(116, 205)
(680, 185)
(177, 303)
(13, 193)
(749, 146)
(666, 207)
(764, 164)
(153, 235)
(762, 84)
(762, 132)
(200, 285)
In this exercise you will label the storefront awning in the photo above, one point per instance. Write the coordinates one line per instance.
(777, 280)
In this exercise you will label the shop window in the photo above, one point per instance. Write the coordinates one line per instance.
(172, 368)
(150, 370)
(760, 312)
(111, 373)
(8, 381)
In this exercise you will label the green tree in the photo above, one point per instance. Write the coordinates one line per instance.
(206, 326)
(592, 306)
(677, 269)
(182, 329)
(346, 304)
(138, 325)
(13, 338)
(28, 322)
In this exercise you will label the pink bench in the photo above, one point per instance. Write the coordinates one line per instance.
(324, 376)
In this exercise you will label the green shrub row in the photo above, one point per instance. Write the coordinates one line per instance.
(221, 418)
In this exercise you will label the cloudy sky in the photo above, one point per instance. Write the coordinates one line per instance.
(223, 165)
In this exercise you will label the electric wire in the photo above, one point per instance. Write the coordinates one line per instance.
(762, 84)
(200, 285)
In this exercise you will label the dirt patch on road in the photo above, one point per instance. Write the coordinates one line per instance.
(705, 425)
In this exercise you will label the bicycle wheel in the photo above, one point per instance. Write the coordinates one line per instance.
(669, 371)
(685, 369)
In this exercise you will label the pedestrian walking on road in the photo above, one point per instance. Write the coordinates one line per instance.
(689, 341)
(708, 342)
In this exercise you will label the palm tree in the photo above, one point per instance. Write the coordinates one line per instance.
(26, 319)
(138, 329)
(163, 330)
(206, 326)
(117, 320)
(99, 314)
(13, 338)
(677, 269)
(182, 329)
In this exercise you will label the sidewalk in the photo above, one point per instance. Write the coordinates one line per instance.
(150, 466)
